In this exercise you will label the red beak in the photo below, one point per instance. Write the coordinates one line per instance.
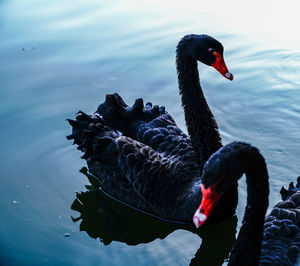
(221, 66)
(209, 200)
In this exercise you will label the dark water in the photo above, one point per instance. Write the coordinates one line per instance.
(61, 56)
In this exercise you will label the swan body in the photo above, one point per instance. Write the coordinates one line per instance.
(281, 237)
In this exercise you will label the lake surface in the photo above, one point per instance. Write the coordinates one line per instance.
(58, 57)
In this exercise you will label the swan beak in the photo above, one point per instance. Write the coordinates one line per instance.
(199, 218)
(220, 66)
(209, 200)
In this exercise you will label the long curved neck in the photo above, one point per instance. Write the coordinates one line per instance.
(247, 248)
(201, 125)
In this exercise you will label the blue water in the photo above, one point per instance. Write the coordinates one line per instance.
(58, 57)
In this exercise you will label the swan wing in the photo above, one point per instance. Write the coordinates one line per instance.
(281, 239)
(129, 170)
(150, 125)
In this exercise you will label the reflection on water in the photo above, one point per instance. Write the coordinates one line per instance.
(104, 218)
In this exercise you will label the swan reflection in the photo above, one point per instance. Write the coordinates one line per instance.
(104, 218)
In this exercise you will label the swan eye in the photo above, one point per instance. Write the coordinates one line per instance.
(211, 50)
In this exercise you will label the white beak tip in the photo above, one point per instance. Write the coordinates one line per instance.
(199, 218)
(229, 76)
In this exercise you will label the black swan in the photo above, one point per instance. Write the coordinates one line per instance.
(274, 240)
(141, 155)
(144, 160)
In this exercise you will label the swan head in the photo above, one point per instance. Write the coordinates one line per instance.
(206, 50)
(220, 174)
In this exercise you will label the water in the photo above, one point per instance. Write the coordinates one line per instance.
(62, 56)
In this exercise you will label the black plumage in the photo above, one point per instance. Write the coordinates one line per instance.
(281, 238)
(143, 159)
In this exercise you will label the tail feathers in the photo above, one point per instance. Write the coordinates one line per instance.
(92, 136)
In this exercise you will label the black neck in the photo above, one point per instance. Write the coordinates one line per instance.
(247, 248)
(201, 125)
